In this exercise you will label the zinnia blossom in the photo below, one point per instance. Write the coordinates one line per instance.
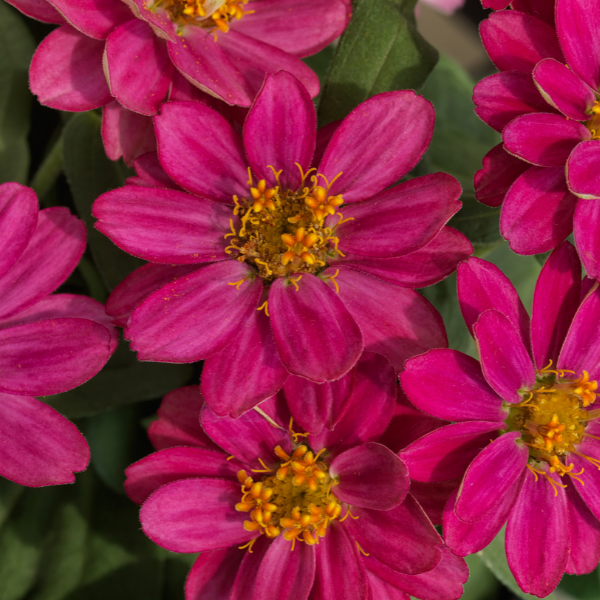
(132, 55)
(280, 514)
(49, 343)
(288, 260)
(525, 427)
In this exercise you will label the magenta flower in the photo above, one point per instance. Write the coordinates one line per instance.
(49, 343)
(320, 515)
(525, 428)
(254, 267)
(142, 53)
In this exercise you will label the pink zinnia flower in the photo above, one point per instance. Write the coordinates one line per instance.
(270, 278)
(525, 425)
(142, 52)
(49, 343)
(327, 515)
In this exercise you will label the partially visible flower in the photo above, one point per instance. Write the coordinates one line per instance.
(326, 515)
(283, 263)
(134, 55)
(525, 431)
(49, 343)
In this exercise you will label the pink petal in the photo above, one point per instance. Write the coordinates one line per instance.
(324, 135)
(125, 133)
(446, 453)
(370, 476)
(555, 302)
(319, 345)
(145, 476)
(337, 554)
(467, 538)
(285, 575)
(538, 8)
(564, 90)
(51, 356)
(482, 286)
(577, 24)
(195, 316)
(377, 144)
(38, 9)
(538, 211)
(164, 226)
(292, 26)
(505, 362)
(544, 139)
(255, 58)
(581, 170)
(495, 4)
(394, 321)
(66, 71)
(402, 538)
(433, 497)
(178, 421)
(426, 266)
(18, 220)
(539, 520)
(318, 405)
(39, 446)
(380, 589)
(245, 372)
(157, 16)
(500, 170)
(587, 215)
(140, 284)
(280, 131)
(151, 174)
(516, 41)
(491, 476)
(590, 492)
(95, 18)
(248, 438)
(212, 165)
(401, 219)
(501, 97)
(195, 515)
(368, 411)
(213, 574)
(450, 385)
(243, 581)
(138, 67)
(51, 255)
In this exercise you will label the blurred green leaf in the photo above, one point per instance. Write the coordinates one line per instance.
(380, 50)
(482, 585)
(580, 587)
(16, 50)
(90, 173)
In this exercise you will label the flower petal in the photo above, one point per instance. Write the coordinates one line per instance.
(195, 316)
(145, 476)
(564, 90)
(394, 321)
(320, 345)
(245, 372)
(213, 574)
(490, 477)
(280, 131)
(243, 581)
(211, 165)
(164, 226)
(505, 362)
(538, 211)
(587, 216)
(38, 9)
(402, 538)
(195, 515)
(581, 170)
(433, 496)
(450, 385)
(370, 476)
(138, 67)
(590, 492)
(446, 453)
(539, 519)
(248, 438)
(150, 173)
(401, 219)
(538, 8)
(95, 18)
(66, 71)
(39, 446)
(516, 41)
(377, 144)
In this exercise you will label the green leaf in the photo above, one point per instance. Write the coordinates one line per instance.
(16, 50)
(380, 50)
(90, 173)
(481, 585)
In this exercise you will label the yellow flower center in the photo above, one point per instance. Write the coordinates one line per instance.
(295, 499)
(594, 123)
(552, 418)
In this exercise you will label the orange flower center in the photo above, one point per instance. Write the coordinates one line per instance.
(594, 123)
